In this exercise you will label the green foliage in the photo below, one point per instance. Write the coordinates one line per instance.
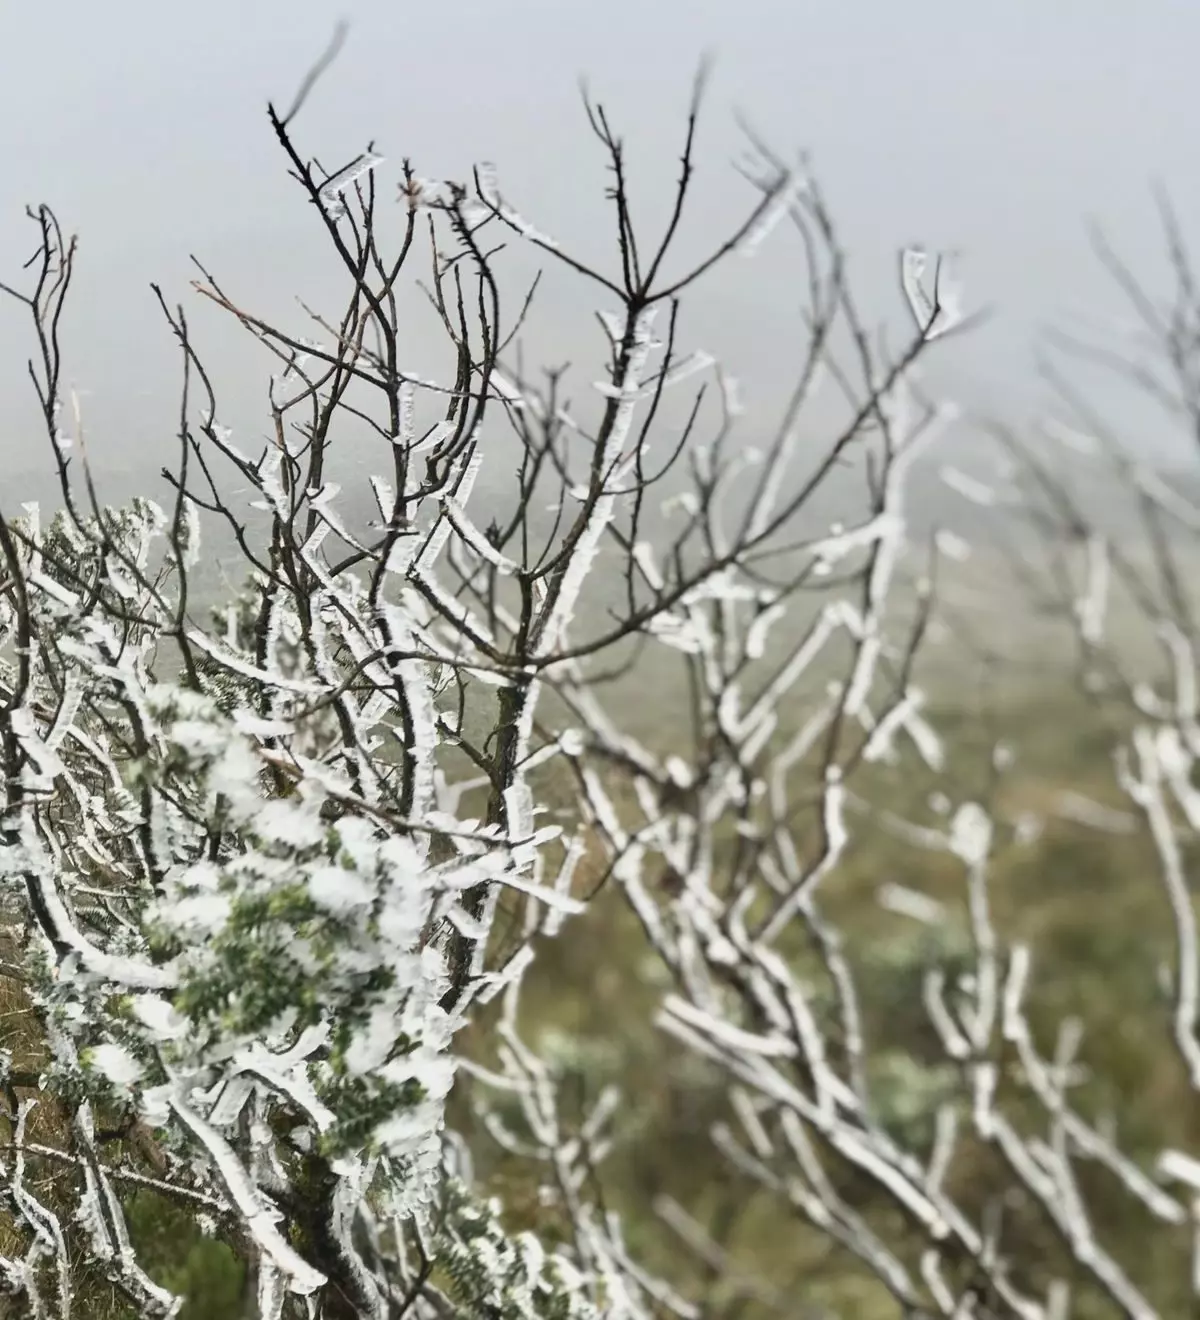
(178, 1254)
(496, 1276)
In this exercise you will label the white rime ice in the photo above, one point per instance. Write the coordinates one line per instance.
(260, 868)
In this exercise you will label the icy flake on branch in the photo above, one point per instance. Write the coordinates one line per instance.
(334, 189)
(940, 313)
(490, 192)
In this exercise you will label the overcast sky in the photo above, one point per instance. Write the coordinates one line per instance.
(995, 127)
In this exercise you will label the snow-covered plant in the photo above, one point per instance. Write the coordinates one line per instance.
(265, 872)
(251, 866)
(966, 1185)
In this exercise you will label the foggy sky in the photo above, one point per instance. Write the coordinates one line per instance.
(992, 128)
